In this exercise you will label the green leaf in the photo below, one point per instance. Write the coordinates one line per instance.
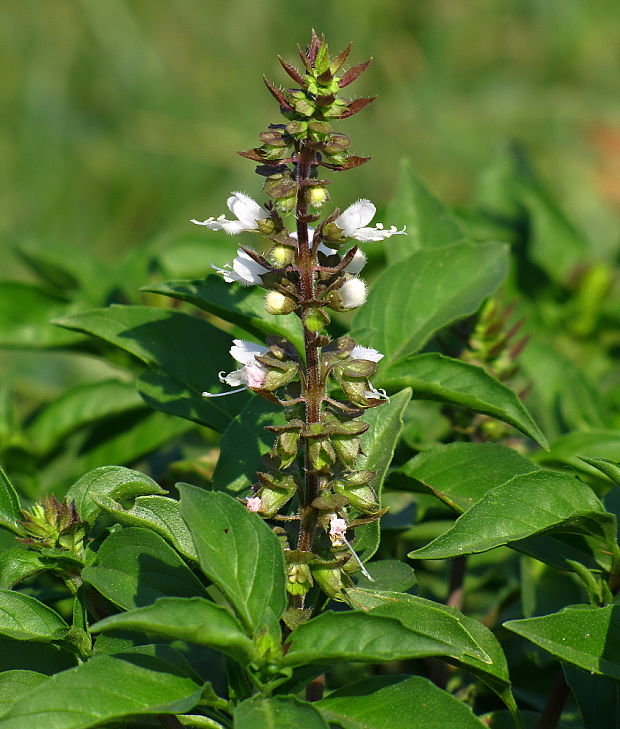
(366, 637)
(136, 566)
(586, 636)
(25, 618)
(10, 512)
(415, 297)
(241, 305)
(396, 702)
(610, 468)
(26, 312)
(505, 514)
(108, 688)
(387, 574)
(429, 223)
(80, 406)
(112, 481)
(42, 657)
(239, 553)
(15, 684)
(243, 445)
(18, 563)
(460, 474)
(200, 351)
(280, 712)
(598, 698)
(378, 445)
(436, 377)
(413, 611)
(570, 449)
(159, 513)
(194, 619)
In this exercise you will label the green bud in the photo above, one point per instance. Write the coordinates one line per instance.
(362, 498)
(298, 579)
(297, 128)
(321, 454)
(347, 448)
(267, 226)
(315, 319)
(333, 233)
(282, 255)
(330, 579)
(286, 204)
(316, 196)
(273, 499)
(277, 303)
(304, 107)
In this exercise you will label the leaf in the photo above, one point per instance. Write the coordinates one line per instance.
(26, 312)
(416, 297)
(112, 481)
(279, 712)
(15, 684)
(569, 450)
(200, 351)
(610, 468)
(239, 553)
(159, 513)
(415, 611)
(10, 512)
(80, 406)
(586, 636)
(194, 619)
(396, 702)
(41, 657)
(366, 637)
(109, 688)
(387, 574)
(136, 566)
(598, 698)
(243, 445)
(241, 305)
(436, 377)
(378, 445)
(18, 563)
(460, 474)
(429, 223)
(505, 514)
(25, 618)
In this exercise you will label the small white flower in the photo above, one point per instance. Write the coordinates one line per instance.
(376, 394)
(251, 375)
(253, 503)
(367, 353)
(352, 293)
(353, 221)
(248, 213)
(243, 269)
(337, 530)
(354, 266)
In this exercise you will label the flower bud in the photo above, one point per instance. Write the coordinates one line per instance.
(352, 293)
(277, 303)
(316, 196)
(266, 226)
(298, 579)
(329, 579)
(282, 255)
(315, 319)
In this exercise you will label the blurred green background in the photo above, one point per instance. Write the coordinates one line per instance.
(122, 117)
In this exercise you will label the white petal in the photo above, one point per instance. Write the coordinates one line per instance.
(355, 216)
(208, 221)
(325, 250)
(248, 211)
(244, 351)
(368, 353)
(378, 233)
(352, 293)
(357, 263)
(310, 236)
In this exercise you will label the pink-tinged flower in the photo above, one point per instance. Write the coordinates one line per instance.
(352, 293)
(249, 213)
(243, 269)
(337, 530)
(367, 353)
(252, 375)
(354, 220)
(253, 503)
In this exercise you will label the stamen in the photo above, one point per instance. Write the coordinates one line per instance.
(221, 394)
(365, 572)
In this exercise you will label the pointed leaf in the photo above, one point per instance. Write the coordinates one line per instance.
(25, 618)
(598, 698)
(435, 377)
(429, 223)
(421, 294)
(396, 702)
(241, 305)
(279, 712)
(18, 563)
(136, 566)
(586, 636)
(15, 684)
(239, 553)
(610, 468)
(570, 449)
(111, 481)
(105, 688)
(505, 514)
(194, 619)
(378, 445)
(10, 512)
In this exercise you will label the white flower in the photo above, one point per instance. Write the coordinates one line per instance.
(251, 375)
(248, 212)
(376, 394)
(353, 221)
(337, 530)
(243, 269)
(367, 353)
(354, 266)
(253, 503)
(352, 293)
